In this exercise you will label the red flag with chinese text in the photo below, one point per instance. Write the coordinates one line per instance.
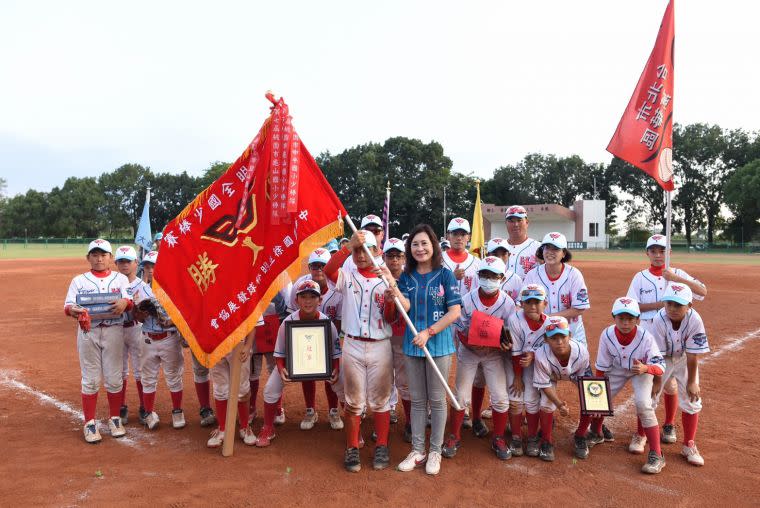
(644, 136)
(226, 255)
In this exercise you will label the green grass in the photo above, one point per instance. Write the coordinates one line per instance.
(678, 257)
(36, 250)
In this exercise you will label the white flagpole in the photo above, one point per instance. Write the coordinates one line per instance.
(668, 213)
(411, 326)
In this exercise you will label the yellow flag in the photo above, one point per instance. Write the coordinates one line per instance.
(477, 238)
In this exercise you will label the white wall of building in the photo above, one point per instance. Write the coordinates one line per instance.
(593, 222)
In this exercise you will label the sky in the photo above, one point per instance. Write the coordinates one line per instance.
(89, 86)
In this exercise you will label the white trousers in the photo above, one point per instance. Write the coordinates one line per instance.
(164, 354)
(101, 353)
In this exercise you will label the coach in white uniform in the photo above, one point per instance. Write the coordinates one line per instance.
(522, 249)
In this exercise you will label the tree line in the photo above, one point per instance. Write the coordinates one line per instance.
(715, 170)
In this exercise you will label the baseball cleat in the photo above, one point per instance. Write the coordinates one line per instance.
(143, 414)
(91, 433)
(394, 416)
(433, 464)
(178, 418)
(692, 454)
(499, 446)
(309, 419)
(594, 439)
(450, 447)
(124, 415)
(382, 458)
(607, 433)
(152, 420)
(208, 418)
(546, 452)
(581, 447)
(336, 423)
(466, 423)
(414, 459)
(479, 428)
(487, 413)
(668, 434)
(280, 418)
(638, 444)
(265, 437)
(654, 463)
(115, 426)
(532, 446)
(248, 436)
(216, 439)
(516, 446)
(351, 460)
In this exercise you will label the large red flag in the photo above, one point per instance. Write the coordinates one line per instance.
(242, 239)
(644, 136)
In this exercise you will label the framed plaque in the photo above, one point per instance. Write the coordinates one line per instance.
(308, 346)
(99, 304)
(595, 396)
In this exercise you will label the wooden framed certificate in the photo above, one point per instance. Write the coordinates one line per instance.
(308, 349)
(595, 396)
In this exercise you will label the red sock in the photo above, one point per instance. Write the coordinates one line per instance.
(150, 401)
(204, 394)
(309, 389)
(499, 423)
(89, 405)
(407, 404)
(176, 399)
(653, 436)
(477, 401)
(457, 417)
(332, 397)
(270, 411)
(279, 405)
(640, 427)
(596, 424)
(583, 426)
(124, 392)
(254, 393)
(546, 425)
(671, 407)
(382, 427)
(689, 422)
(353, 427)
(243, 413)
(515, 422)
(114, 403)
(533, 420)
(221, 413)
(138, 383)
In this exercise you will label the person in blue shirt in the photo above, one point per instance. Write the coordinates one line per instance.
(428, 292)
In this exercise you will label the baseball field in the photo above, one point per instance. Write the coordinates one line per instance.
(46, 462)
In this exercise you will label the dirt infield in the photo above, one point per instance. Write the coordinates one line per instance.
(46, 462)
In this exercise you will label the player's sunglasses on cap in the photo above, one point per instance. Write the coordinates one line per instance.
(517, 212)
(308, 286)
(532, 292)
(557, 325)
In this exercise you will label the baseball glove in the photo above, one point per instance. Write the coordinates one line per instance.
(154, 308)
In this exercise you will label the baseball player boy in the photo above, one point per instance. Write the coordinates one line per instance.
(100, 342)
(559, 358)
(367, 353)
(522, 249)
(201, 376)
(648, 287)
(162, 348)
(488, 300)
(680, 334)
(126, 263)
(374, 225)
(626, 353)
(527, 329)
(308, 296)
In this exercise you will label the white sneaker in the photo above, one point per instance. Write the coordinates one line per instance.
(487, 413)
(336, 423)
(638, 444)
(216, 439)
(91, 433)
(178, 418)
(280, 418)
(692, 454)
(115, 426)
(152, 420)
(309, 419)
(433, 465)
(248, 436)
(414, 459)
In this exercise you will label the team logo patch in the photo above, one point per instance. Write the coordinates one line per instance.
(527, 263)
(700, 339)
(467, 282)
(625, 301)
(554, 236)
(582, 297)
(676, 288)
(657, 238)
(459, 221)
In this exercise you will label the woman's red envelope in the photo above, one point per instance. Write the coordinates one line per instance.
(485, 330)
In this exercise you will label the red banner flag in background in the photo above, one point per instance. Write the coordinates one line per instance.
(644, 136)
(242, 239)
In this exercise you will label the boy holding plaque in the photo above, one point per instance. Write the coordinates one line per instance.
(482, 341)
(626, 353)
(100, 341)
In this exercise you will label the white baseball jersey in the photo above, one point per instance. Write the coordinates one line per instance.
(649, 288)
(566, 292)
(614, 356)
(690, 337)
(151, 324)
(503, 308)
(88, 283)
(332, 301)
(512, 284)
(524, 339)
(349, 264)
(363, 302)
(279, 347)
(547, 368)
(469, 280)
(522, 257)
(131, 290)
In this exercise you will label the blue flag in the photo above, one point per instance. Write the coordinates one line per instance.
(143, 237)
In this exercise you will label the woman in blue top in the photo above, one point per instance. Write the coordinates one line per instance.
(428, 291)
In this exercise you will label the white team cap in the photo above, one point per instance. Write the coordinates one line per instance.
(496, 243)
(369, 238)
(625, 305)
(309, 286)
(657, 241)
(556, 239)
(393, 244)
(679, 293)
(458, 223)
(532, 292)
(151, 257)
(159, 236)
(319, 256)
(492, 264)
(371, 219)
(516, 211)
(557, 325)
(100, 244)
(125, 252)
